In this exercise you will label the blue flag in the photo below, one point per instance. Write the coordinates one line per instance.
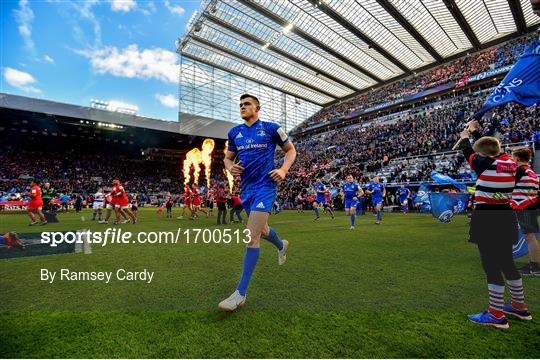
(445, 205)
(422, 198)
(445, 179)
(520, 85)
(520, 249)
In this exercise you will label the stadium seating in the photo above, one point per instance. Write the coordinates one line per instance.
(456, 70)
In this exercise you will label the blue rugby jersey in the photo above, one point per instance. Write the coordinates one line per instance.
(255, 146)
(350, 190)
(320, 187)
(403, 193)
(377, 189)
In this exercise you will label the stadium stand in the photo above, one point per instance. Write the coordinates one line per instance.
(459, 70)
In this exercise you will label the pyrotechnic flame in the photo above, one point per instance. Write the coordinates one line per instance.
(230, 177)
(206, 157)
(193, 158)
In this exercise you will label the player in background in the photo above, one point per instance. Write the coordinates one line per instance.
(197, 202)
(377, 192)
(352, 192)
(254, 143)
(168, 202)
(221, 203)
(524, 202)
(187, 201)
(36, 204)
(109, 206)
(236, 208)
(121, 202)
(404, 194)
(300, 203)
(209, 199)
(321, 191)
(135, 205)
(47, 194)
(329, 202)
(97, 205)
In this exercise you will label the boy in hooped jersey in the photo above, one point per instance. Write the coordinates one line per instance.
(494, 226)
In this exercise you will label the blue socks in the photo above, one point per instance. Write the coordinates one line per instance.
(379, 216)
(2, 241)
(273, 237)
(316, 211)
(353, 219)
(250, 260)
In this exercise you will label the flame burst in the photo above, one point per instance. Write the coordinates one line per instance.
(206, 158)
(230, 177)
(193, 158)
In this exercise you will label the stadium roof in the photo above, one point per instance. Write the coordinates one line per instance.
(326, 50)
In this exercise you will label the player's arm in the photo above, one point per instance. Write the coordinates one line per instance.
(360, 192)
(383, 192)
(234, 168)
(290, 156)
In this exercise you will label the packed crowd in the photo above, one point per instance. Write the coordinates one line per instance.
(79, 174)
(456, 70)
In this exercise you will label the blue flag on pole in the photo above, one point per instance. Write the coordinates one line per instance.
(520, 85)
(445, 205)
(445, 179)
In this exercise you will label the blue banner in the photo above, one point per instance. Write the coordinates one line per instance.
(520, 85)
(445, 205)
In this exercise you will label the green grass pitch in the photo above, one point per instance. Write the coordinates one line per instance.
(401, 289)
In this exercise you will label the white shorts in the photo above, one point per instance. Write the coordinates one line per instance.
(97, 205)
(110, 206)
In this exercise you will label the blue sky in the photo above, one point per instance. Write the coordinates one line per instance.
(73, 51)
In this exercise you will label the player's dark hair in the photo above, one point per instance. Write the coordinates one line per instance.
(245, 96)
(523, 154)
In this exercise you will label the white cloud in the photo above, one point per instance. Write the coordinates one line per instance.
(21, 80)
(149, 9)
(131, 62)
(48, 59)
(168, 100)
(24, 17)
(123, 5)
(176, 10)
(79, 14)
